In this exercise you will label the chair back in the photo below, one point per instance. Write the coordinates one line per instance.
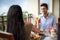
(6, 35)
(58, 24)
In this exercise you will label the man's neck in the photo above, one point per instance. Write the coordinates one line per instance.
(46, 15)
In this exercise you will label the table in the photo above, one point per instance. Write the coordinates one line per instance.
(48, 37)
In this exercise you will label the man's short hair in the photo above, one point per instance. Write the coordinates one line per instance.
(44, 4)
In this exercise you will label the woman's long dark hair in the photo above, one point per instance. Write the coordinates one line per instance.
(15, 23)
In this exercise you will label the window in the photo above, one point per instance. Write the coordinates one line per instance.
(50, 5)
(5, 4)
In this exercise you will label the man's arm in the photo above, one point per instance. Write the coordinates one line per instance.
(54, 24)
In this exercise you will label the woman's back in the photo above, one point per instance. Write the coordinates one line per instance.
(15, 23)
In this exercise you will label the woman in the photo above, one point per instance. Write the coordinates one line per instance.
(15, 23)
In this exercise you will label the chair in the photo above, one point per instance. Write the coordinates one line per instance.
(6, 35)
(58, 24)
(58, 28)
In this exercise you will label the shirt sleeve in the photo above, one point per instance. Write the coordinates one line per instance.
(54, 24)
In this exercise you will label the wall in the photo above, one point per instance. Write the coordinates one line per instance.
(33, 7)
(56, 9)
(59, 8)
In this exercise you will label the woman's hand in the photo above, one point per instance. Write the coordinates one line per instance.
(27, 21)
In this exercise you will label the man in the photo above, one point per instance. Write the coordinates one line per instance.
(46, 21)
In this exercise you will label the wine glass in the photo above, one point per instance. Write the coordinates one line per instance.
(37, 21)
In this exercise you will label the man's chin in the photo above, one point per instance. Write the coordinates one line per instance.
(44, 13)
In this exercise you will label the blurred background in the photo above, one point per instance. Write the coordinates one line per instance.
(29, 7)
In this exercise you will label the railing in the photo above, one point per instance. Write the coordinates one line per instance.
(2, 22)
(3, 34)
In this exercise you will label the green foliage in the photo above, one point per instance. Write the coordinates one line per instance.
(25, 14)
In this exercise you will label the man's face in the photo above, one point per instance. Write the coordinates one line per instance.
(44, 9)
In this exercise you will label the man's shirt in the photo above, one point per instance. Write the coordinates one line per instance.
(47, 22)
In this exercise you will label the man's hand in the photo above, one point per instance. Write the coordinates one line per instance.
(52, 29)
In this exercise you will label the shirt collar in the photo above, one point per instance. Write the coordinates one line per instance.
(47, 16)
